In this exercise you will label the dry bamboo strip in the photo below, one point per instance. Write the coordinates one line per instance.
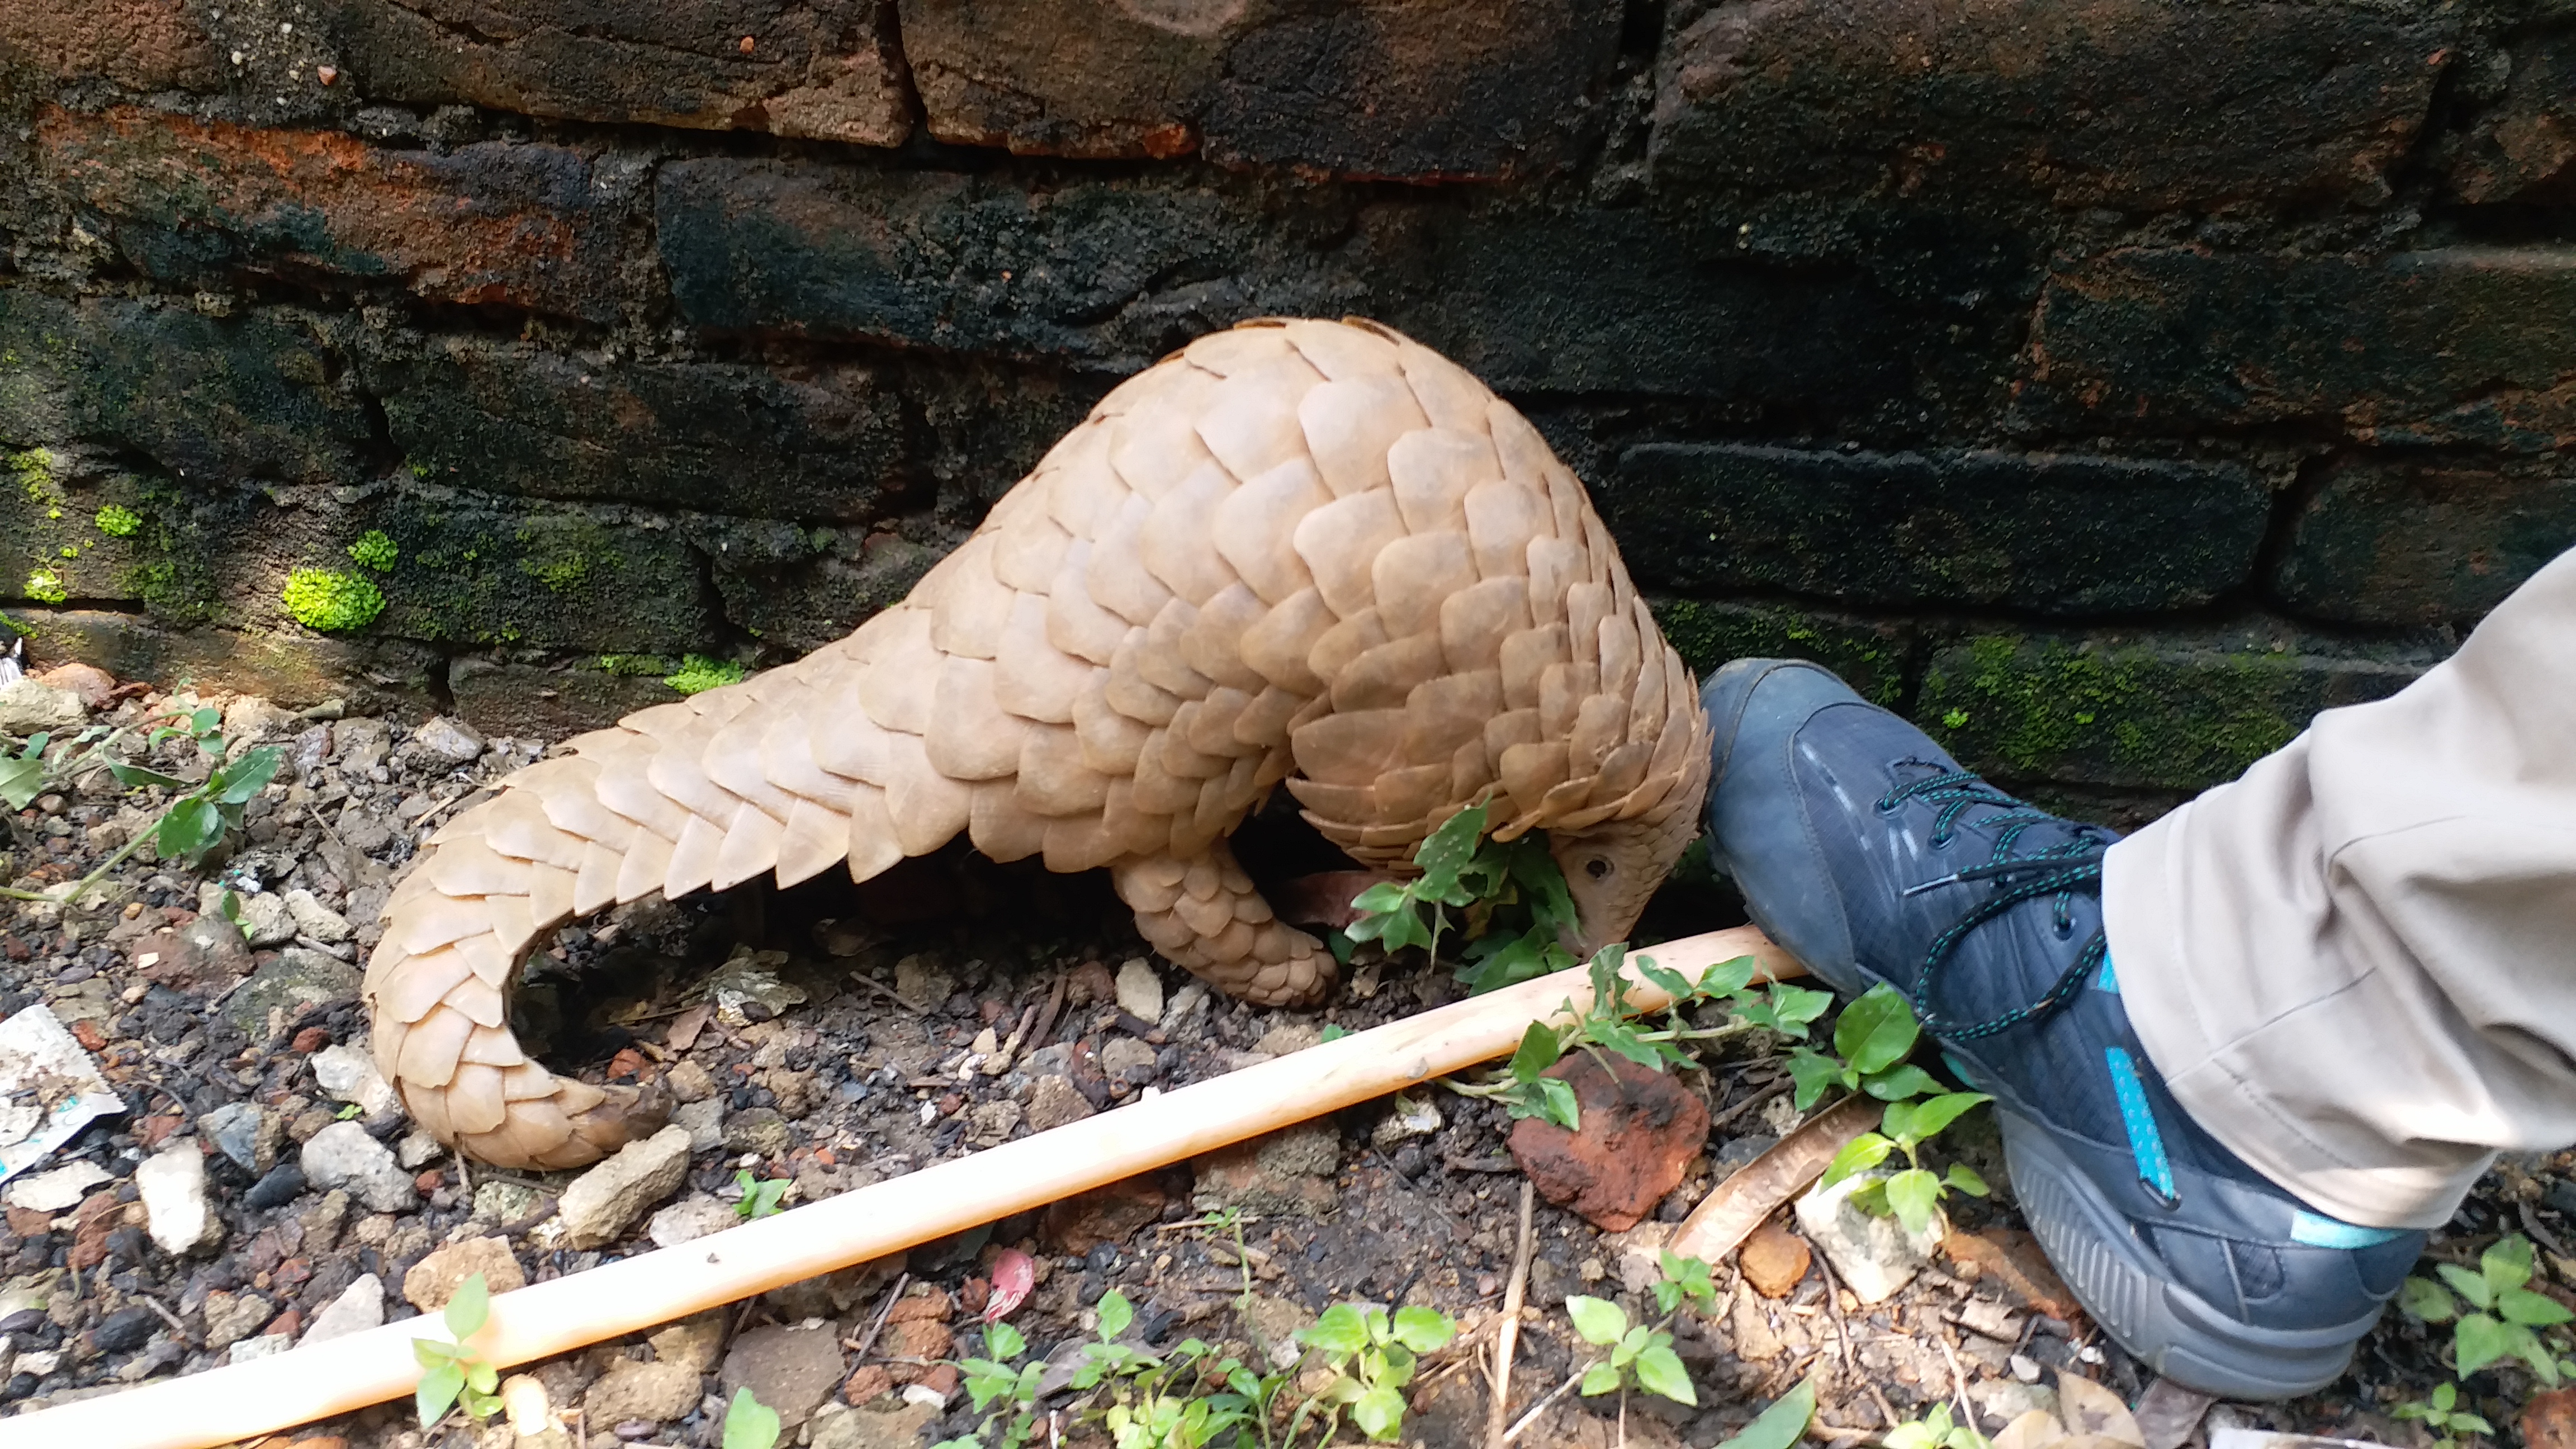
(245, 1400)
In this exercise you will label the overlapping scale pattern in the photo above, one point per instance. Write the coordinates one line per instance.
(1301, 552)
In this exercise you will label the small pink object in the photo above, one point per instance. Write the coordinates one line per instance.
(1014, 1274)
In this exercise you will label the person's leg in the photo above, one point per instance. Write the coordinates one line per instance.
(2356, 966)
(1866, 851)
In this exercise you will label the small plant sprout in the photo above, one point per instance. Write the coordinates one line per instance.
(1641, 1356)
(1683, 1280)
(760, 1195)
(1912, 1193)
(1934, 1431)
(191, 825)
(998, 1390)
(453, 1371)
(2440, 1413)
(2501, 1318)
(1463, 871)
(749, 1423)
(1371, 1358)
(1873, 1037)
(1782, 1424)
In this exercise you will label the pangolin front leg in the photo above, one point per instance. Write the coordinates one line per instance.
(1305, 554)
(1205, 915)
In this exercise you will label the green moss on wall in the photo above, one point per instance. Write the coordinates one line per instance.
(376, 551)
(1870, 658)
(698, 674)
(331, 601)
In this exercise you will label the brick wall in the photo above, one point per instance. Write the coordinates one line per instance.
(2110, 385)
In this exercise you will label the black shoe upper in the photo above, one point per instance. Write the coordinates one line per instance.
(1865, 850)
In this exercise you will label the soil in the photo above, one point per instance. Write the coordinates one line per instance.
(894, 1058)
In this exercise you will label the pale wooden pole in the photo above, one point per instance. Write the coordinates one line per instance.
(268, 1394)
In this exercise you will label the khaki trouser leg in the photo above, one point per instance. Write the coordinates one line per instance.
(2356, 965)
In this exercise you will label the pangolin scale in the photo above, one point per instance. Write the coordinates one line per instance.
(1301, 552)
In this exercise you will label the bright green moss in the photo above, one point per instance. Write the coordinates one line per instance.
(375, 550)
(634, 665)
(698, 674)
(46, 587)
(331, 601)
(34, 470)
(118, 521)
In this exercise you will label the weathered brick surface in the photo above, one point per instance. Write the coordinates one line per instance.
(144, 45)
(825, 442)
(819, 68)
(190, 202)
(537, 702)
(1870, 655)
(50, 502)
(802, 589)
(2141, 712)
(2068, 534)
(2119, 102)
(2525, 149)
(2406, 538)
(2464, 345)
(1411, 88)
(479, 571)
(298, 670)
(259, 394)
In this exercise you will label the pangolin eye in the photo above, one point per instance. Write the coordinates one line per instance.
(1596, 867)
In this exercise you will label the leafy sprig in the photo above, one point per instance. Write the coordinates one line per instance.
(453, 1371)
(2493, 1316)
(191, 825)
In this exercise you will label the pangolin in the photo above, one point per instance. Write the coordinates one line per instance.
(1303, 552)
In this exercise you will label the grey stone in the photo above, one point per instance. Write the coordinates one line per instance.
(705, 1120)
(1874, 1256)
(172, 1182)
(359, 1307)
(417, 1150)
(1053, 1101)
(920, 984)
(315, 919)
(1120, 1053)
(57, 1189)
(453, 741)
(691, 1218)
(791, 1369)
(297, 981)
(232, 1317)
(267, 1345)
(348, 1074)
(265, 920)
(245, 1133)
(505, 1202)
(603, 1203)
(1140, 991)
(1184, 1006)
(758, 1129)
(903, 1428)
(342, 1155)
(655, 1393)
(27, 708)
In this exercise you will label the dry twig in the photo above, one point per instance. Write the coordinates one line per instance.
(1507, 1337)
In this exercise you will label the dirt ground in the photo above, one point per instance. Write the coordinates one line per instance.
(876, 1041)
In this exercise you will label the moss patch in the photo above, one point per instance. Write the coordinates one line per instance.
(376, 550)
(1871, 658)
(118, 521)
(698, 674)
(331, 601)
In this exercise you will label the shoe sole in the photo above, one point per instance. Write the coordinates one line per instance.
(2166, 1326)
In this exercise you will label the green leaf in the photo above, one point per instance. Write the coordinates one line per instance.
(2426, 1300)
(1860, 1154)
(1622, 1038)
(1378, 1413)
(1914, 1195)
(1526, 957)
(204, 721)
(2468, 1285)
(1423, 1329)
(1598, 1320)
(2471, 1424)
(437, 1393)
(480, 1377)
(749, 1424)
(1813, 1072)
(1900, 1083)
(469, 1308)
(1727, 977)
(2446, 1397)
(249, 775)
(1004, 1342)
(430, 1353)
(2477, 1342)
(132, 776)
(1538, 1052)
(21, 781)
(1381, 898)
(1876, 1031)
(2521, 1305)
(1965, 1179)
(1558, 1104)
(191, 826)
(1934, 1113)
(1446, 851)
(1630, 1344)
(1796, 1006)
(1340, 1331)
(2506, 1264)
(1780, 1425)
(1673, 983)
(1660, 1371)
(1115, 1314)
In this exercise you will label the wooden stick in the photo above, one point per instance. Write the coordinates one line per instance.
(248, 1399)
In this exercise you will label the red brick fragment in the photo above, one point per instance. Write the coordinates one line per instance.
(1640, 1131)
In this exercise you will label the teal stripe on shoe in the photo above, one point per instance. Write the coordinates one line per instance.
(2103, 980)
(2146, 1143)
(2316, 1230)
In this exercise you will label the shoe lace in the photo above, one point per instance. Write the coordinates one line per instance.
(2059, 871)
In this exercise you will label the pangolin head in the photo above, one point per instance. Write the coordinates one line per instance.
(1615, 866)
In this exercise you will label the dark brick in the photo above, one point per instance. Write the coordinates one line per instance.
(209, 399)
(50, 500)
(2119, 102)
(2474, 345)
(1410, 88)
(295, 668)
(191, 202)
(538, 702)
(821, 68)
(481, 570)
(2064, 534)
(2524, 148)
(144, 45)
(1870, 656)
(798, 590)
(2140, 711)
(2411, 539)
(823, 442)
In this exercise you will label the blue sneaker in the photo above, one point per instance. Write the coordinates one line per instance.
(1869, 854)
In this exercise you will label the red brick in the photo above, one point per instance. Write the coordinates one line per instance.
(492, 223)
(820, 68)
(144, 45)
(2082, 102)
(1370, 87)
